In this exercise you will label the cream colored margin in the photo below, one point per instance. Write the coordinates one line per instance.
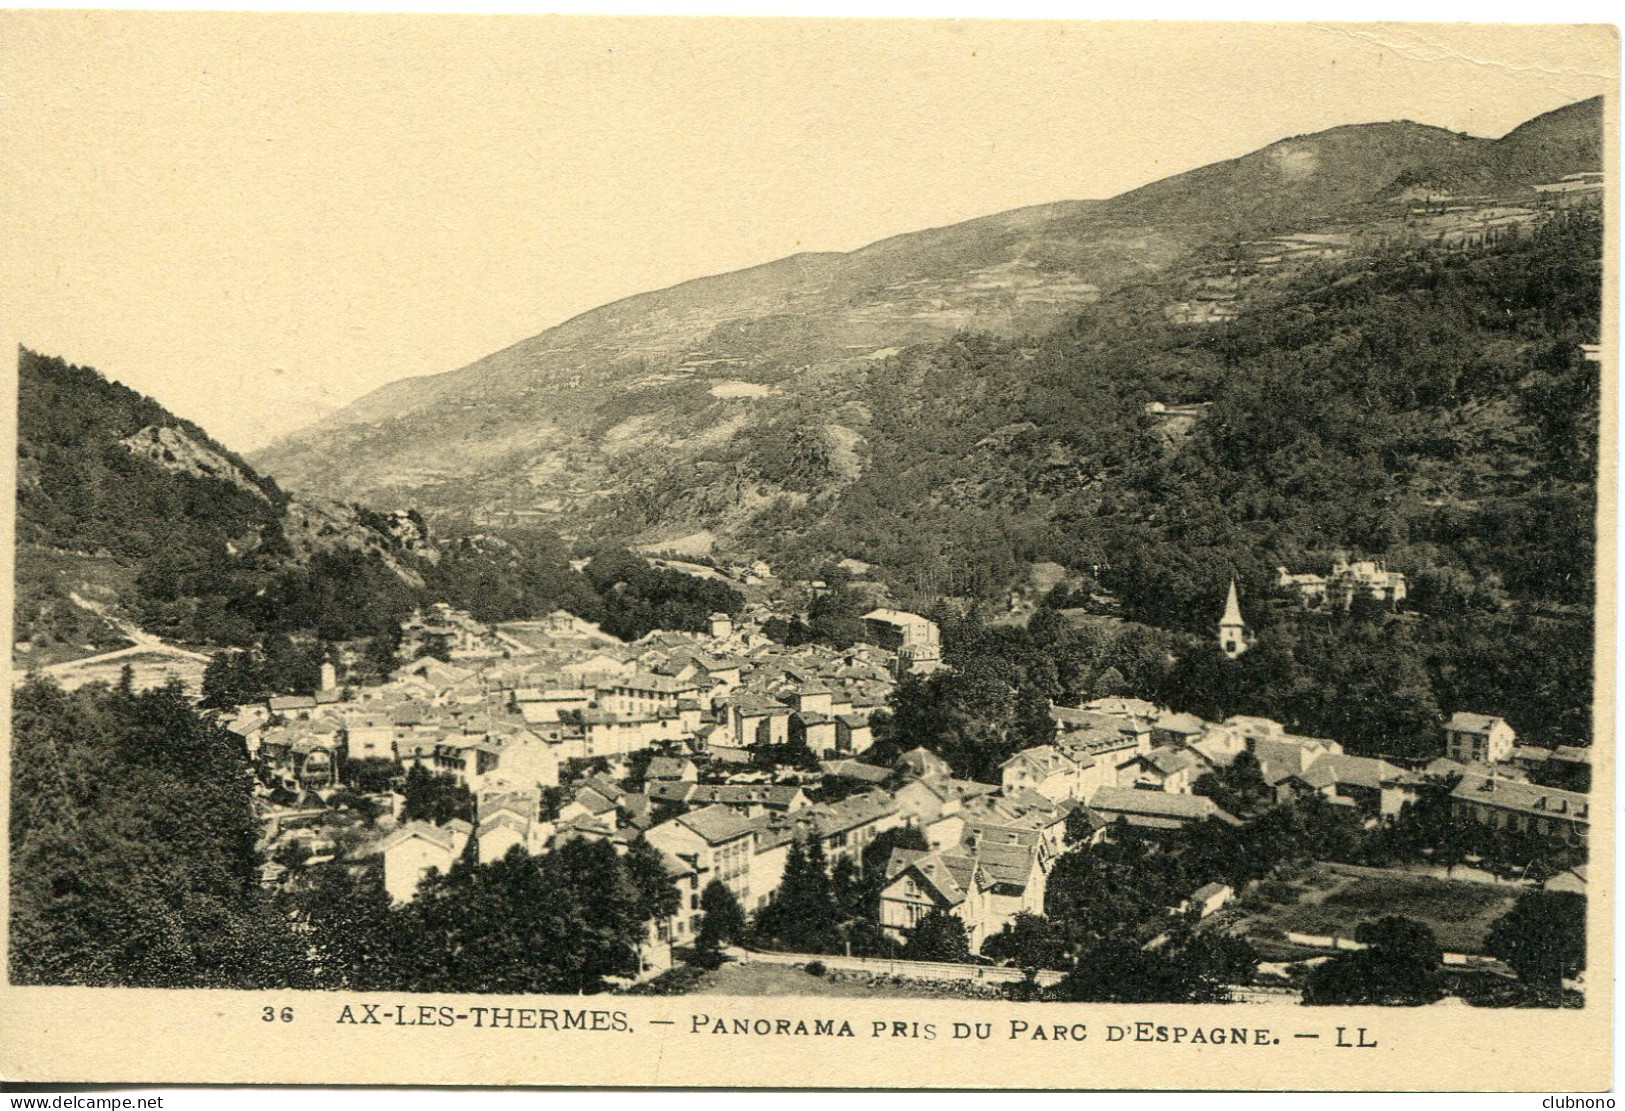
(185, 1037)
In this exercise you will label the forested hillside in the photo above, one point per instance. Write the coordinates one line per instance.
(81, 487)
(1435, 410)
(1432, 407)
(122, 502)
(148, 522)
(1427, 406)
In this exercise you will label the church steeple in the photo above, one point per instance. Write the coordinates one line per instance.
(1232, 629)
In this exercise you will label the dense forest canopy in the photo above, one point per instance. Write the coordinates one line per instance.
(132, 847)
(1431, 407)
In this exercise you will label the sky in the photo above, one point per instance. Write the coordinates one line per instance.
(258, 218)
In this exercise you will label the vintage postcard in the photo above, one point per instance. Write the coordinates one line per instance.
(808, 553)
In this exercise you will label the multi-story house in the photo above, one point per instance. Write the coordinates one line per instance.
(1478, 739)
(1044, 769)
(1522, 807)
(417, 847)
(916, 640)
(718, 843)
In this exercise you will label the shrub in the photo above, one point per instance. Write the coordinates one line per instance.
(708, 959)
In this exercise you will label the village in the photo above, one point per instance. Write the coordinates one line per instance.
(723, 749)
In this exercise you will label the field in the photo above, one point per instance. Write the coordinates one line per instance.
(1335, 898)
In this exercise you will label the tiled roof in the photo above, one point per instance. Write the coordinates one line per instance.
(1318, 775)
(1163, 804)
(895, 617)
(604, 785)
(948, 876)
(856, 769)
(716, 824)
(1463, 722)
(1072, 719)
(593, 801)
(649, 681)
(1171, 761)
(1526, 798)
(922, 762)
(675, 866)
(946, 788)
(745, 794)
(669, 790)
(1048, 759)
(1251, 725)
(1444, 766)
(853, 811)
(1123, 707)
(505, 819)
(1007, 865)
(668, 767)
(753, 702)
(1360, 771)
(1021, 809)
(1179, 722)
(775, 829)
(443, 836)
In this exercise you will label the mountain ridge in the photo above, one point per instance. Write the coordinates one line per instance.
(541, 430)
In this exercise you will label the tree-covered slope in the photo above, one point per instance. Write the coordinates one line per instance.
(1433, 407)
(146, 518)
(1429, 406)
(81, 487)
(132, 848)
(130, 516)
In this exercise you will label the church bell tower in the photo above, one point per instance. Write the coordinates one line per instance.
(1232, 629)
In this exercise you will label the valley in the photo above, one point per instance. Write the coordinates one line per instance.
(1128, 590)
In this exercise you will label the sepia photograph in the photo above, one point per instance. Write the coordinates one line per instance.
(801, 552)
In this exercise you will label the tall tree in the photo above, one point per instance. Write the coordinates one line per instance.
(355, 937)
(723, 919)
(657, 897)
(1030, 940)
(939, 936)
(1399, 967)
(803, 916)
(1543, 938)
(132, 847)
(436, 799)
(559, 923)
(1120, 970)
